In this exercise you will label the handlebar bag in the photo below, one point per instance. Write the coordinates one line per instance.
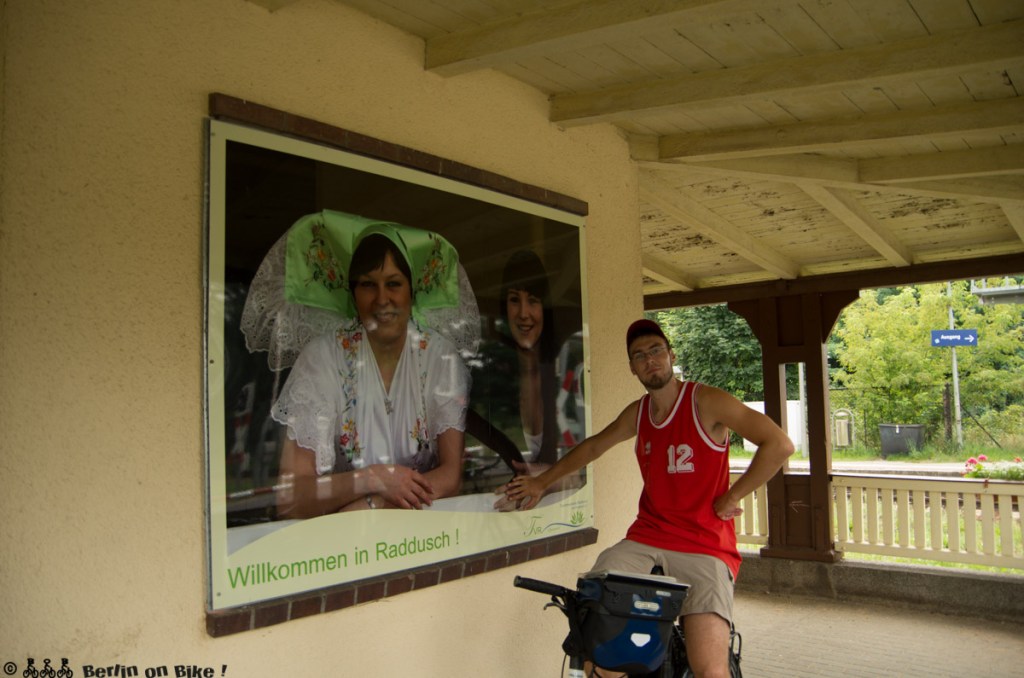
(623, 621)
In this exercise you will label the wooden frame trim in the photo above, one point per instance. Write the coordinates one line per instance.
(224, 107)
(321, 601)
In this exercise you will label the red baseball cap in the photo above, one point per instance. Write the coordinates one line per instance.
(644, 327)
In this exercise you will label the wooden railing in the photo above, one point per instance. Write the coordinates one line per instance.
(959, 520)
(752, 525)
(947, 520)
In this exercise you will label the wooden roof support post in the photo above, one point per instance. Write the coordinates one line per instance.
(795, 329)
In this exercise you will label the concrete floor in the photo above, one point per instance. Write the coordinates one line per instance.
(791, 636)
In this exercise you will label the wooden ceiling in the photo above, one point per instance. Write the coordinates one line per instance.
(780, 144)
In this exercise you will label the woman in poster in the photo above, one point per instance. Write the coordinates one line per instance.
(544, 374)
(375, 406)
(526, 309)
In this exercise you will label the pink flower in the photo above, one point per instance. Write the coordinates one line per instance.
(1017, 459)
(982, 457)
(972, 461)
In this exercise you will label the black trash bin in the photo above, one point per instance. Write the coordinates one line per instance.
(900, 438)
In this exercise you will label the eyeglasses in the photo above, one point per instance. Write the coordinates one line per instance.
(643, 356)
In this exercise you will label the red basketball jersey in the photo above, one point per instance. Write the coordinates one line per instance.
(684, 471)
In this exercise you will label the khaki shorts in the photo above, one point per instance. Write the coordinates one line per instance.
(711, 585)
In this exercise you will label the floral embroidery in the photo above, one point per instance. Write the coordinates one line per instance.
(420, 452)
(419, 434)
(324, 267)
(349, 341)
(348, 441)
(434, 270)
(349, 338)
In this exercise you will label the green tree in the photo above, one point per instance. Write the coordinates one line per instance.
(886, 364)
(891, 373)
(715, 346)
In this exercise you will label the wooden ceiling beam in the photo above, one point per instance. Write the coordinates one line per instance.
(975, 162)
(788, 168)
(273, 5)
(998, 116)
(845, 174)
(993, 46)
(676, 203)
(566, 27)
(998, 190)
(1015, 215)
(666, 273)
(861, 222)
(958, 269)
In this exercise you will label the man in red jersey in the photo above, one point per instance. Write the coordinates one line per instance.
(685, 519)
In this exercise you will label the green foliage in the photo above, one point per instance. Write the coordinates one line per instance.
(888, 372)
(715, 346)
(1004, 425)
(891, 373)
(882, 364)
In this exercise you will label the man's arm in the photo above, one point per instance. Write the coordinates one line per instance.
(721, 412)
(526, 491)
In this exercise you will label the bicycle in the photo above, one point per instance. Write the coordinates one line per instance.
(626, 622)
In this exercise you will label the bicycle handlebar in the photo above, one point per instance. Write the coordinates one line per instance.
(541, 586)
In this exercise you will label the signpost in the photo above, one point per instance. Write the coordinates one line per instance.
(954, 337)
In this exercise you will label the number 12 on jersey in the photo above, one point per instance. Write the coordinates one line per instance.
(679, 459)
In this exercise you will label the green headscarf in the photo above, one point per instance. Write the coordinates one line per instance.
(319, 254)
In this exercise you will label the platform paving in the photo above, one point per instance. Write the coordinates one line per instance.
(792, 636)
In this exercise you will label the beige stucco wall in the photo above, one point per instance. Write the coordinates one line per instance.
(101, 167)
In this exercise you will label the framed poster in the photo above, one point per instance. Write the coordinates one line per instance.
(274, 200)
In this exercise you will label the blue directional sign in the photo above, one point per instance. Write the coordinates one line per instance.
(954, 337)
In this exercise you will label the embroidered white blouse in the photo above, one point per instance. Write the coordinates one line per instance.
(334, 401)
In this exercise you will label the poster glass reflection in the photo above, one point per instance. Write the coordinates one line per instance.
(379, 337)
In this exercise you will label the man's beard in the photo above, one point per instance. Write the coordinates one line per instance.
(656, 380)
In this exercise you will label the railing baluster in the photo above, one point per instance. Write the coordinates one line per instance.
(935, 513)
(842, 519)
(762, 513)
(857, 496)
(953, 521)
(872, 500)
(1006, 525)
(887, 525)
(919, 505)
(903, 517)
(1019, 553)
(748, 514)
(988, 530)
(971, 523)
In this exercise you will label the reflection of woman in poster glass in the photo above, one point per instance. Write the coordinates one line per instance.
(526, 309)
(375, 408)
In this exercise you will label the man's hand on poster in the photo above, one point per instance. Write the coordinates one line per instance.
(503, 503)
(521, 493)
(529, 471)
